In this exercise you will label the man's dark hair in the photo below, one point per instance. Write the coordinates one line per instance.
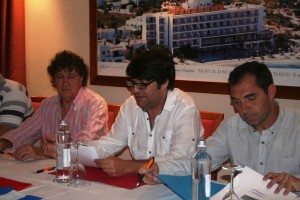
(259, 70)
(68, 61)
(154, 64)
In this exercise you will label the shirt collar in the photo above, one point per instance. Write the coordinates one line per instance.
(77, 99)
(275, 127)
(170, 101)
(273, 130)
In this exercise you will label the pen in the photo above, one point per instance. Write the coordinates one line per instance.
(151, 161)
(44, 170)
(6, 153)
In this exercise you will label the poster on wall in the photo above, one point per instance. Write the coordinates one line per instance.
(207, 41)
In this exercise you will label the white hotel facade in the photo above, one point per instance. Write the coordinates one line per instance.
(207, 27)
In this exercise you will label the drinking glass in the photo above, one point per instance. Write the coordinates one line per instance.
(77, 172)
(231, 195)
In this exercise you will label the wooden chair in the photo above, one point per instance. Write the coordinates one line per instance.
(113, 110)
(36, 101)
(210, 122)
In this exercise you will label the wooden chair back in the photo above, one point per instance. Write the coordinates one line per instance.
(36, 101)
(113, 110)
(210, 122)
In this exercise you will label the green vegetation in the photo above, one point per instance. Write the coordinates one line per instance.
(278, 19)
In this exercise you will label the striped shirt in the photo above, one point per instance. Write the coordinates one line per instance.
(15, 104)
(87, 120)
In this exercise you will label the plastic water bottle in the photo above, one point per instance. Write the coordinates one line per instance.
(63, 153)
(201, 173)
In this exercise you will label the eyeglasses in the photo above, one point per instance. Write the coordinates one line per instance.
(141, 86)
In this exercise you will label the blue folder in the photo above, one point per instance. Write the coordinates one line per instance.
(182, 185)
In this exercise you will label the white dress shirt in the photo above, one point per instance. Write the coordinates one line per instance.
(175, 133)
(276, 149)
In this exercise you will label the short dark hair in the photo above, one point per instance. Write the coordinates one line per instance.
(154, 64)
(260, 71)
(67, 60)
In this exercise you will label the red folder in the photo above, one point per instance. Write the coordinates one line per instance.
(127, 181)
(16, 185)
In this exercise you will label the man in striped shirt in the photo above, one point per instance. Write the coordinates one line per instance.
(85, 111)
(15, 104)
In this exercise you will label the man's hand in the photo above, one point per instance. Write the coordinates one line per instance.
(4, 144)
(113, 165)
(49, 146)
(150, 174)
(5, 128)
(27, 152)
(284, 180)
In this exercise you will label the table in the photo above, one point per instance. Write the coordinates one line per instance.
(44, 187)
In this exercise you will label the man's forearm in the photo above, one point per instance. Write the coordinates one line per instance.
(133, 166)
(5, 128)
(4, 144)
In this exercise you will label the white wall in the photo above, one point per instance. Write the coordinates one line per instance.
(53, 25)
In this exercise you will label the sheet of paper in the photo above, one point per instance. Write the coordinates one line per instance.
(250, 185)
(86, 155)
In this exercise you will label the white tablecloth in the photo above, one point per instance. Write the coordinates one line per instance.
(43, 186)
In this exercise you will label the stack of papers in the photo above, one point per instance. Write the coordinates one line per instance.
(86, 155)
(249, 185)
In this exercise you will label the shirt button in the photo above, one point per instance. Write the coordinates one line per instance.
(263, 142)
(261, 163)
(132, 133)
(150, 135)
(150, 152)
(163, 137)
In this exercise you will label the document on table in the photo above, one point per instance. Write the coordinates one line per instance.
(249, 185)
(86, 155)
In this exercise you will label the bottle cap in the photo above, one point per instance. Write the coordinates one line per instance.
(63, 123)
(201, 143)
